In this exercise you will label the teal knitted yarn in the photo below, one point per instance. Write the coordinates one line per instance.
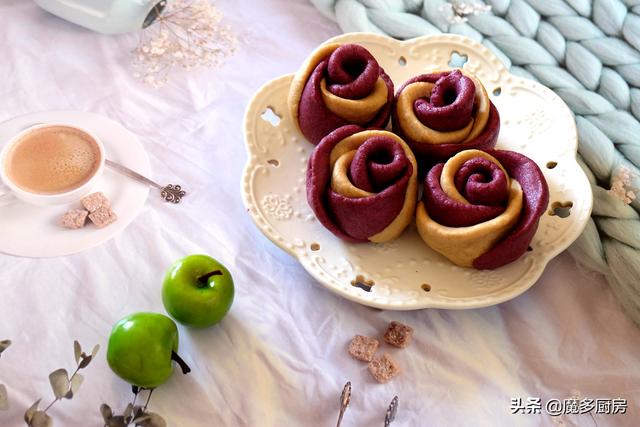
(588, 53)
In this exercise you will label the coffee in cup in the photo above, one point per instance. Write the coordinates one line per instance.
(52, 160)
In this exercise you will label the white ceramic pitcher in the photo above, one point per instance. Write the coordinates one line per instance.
(106, 16)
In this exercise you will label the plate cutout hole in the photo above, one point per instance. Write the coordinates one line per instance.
(362, 283)
(529, 248)
(551, 165)
(426, 287)
(402, 61)
(270, 116)
(561, 209)
(273, 162)
(497, 91)
(315, 247)
(457, 60)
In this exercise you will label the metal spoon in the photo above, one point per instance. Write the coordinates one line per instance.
(345, 398)
(170, 193)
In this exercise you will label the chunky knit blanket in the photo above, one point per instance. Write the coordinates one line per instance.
(588, 52)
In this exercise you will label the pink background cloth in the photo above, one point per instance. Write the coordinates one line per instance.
(280, 357)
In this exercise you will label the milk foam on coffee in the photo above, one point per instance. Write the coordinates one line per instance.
(52, 160)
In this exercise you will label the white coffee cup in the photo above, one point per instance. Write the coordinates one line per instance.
(41, 199)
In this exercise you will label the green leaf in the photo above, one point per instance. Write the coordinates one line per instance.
(117, 421)
(76, 382)
(28, 415)
(150, 419)
(4, 398)
(106, 412)
(85, 361)
(137, 412)
(77, 350)
(4, 345)
(59, 380)
(141, 417)
(41, 419)
(128, 411)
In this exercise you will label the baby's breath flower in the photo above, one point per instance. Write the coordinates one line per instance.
(187, 34)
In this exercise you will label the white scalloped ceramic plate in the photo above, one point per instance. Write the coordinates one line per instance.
(408, 274)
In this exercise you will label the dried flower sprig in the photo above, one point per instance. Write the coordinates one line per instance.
(458, 11)
(137, 415)
(187, 34)
(4, 396)
(621, 186)
(63, 386)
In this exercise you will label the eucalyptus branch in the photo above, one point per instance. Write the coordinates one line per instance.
(133, 414)
(63, 386)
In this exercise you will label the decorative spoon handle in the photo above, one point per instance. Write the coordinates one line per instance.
(345, 398)
(170, 193)
(390, 416)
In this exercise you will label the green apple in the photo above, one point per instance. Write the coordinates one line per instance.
(142, 348)
(197, 291)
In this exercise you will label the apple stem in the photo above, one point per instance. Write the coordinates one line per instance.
(203, 280)
(183, 365)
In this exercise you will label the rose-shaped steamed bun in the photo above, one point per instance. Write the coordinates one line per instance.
(481, 209)
(443, 113)
(339, 85)
(362, 184)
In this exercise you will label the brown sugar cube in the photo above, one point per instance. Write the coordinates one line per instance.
(383, 368)
(103, 217)
(75, 218)
(398, 334)
(363, 348)
(95, 201)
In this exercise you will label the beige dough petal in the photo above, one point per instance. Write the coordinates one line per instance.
(417, 131)
(301, 77)
(462, 245)
(405, 217)
(340, 182)
(414, 128)
(451, 167)
(340, 154)
(359, 111)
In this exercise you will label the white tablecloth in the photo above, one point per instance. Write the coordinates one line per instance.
(279, 358)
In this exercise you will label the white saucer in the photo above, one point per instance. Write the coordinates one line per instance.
(33, 231)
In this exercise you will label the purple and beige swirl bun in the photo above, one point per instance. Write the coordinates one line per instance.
(481, 209)
(362, 184)
(339, 85)
(443, 113)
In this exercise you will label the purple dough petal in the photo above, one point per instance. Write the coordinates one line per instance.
(378, 163)
(471, 178)
(353, 219)
(482, 182)
(450, 105)
(352, 72)
(363, 217)
(449, 212)
(316, 120)
(430, 154)
(536, 198)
